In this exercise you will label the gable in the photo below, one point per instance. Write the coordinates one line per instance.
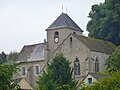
(93, 76)
(71, 50)
(87, 78)
(24, 85)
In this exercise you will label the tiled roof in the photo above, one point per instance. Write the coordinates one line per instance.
(96, 44)
(38, 53)
(32, 53)
(16, 81)
(64, 21)
(96, 76)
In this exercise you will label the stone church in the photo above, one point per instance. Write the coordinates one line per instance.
(87, 55)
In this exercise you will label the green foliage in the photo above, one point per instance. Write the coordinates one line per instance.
(113, 62)
(58, 75)
(105, 21)
(7, 69)
(45, 82)
(17, 87)
(107, 82)
(3, 58)
(13, 56)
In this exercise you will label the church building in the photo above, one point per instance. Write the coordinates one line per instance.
(87, 55)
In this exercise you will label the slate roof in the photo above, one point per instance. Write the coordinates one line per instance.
(64, 21)
(96, 44)
(38, 53)
(16, 81)
(32, 53)
(95, 75)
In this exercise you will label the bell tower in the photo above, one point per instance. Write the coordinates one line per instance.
(59, 30)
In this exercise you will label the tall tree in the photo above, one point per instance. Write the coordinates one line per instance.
(13, 56)
(3, 58)
(113, 62)
(7, 69)
(58, 75)
(45, 82)
(105, 21)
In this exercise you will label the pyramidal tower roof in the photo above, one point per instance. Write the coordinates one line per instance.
(64, 21)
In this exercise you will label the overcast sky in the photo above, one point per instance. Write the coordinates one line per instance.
(23, 22)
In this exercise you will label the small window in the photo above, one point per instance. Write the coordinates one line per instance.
(74, 32)
(37, 70)
(56, 37)
(89, 80)
(56, 34)
(70, 39)
(23, 71)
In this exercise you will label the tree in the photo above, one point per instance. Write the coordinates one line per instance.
(13, 56)
(3, 58)
(45, 82)
(105, 21)
(7, 69)
(58, 75)
(113, 62)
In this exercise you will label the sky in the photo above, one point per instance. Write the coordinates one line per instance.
(23, 22)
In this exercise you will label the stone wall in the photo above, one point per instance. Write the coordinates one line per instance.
(63, 33)
(102, 57)
(30, 76)
(74, 49)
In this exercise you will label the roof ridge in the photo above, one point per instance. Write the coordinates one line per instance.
(73, 21)
(64, 19)
(92, 38)
(34, 44)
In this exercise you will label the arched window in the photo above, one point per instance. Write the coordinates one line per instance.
(23, 70)
(96, 65)
(56, 34)
(37, 70)
(77, 67)
(56, 37)
(89, 64)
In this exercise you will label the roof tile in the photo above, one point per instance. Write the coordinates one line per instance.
(32, 53)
